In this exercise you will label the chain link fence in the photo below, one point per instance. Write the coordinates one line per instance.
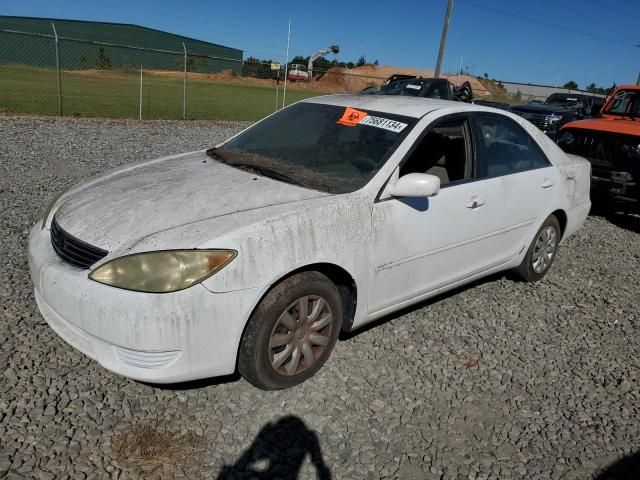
(55, 75)
(50, 74)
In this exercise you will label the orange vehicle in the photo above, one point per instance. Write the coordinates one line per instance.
(611, 142)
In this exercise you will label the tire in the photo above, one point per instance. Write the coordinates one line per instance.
(542, 251)
(278, 349)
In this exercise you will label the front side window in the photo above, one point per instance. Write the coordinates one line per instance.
(329, 148)
(507, 147)
(444, 152)
(625, 102)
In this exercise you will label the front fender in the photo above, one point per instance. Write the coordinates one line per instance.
(332, 230)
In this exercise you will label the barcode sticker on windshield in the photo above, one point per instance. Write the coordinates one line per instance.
(413, 87)
(385, 123)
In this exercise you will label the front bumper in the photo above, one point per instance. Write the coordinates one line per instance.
(158, 338)
(619, 186)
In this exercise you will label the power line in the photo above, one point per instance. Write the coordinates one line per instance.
(612, 9)
(550, 25)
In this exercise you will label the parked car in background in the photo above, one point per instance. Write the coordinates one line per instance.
(611, 143)
(412, 86)
(489, 103)
(322, 217)
(558, 109)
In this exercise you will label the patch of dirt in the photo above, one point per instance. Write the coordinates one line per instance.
(100, 74)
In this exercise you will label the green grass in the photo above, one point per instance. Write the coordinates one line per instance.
(116, 95)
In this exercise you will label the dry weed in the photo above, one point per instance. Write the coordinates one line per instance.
(149, 448)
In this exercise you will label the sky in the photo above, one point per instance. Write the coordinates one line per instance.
(534, 41)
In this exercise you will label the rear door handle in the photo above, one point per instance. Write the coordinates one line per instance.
(475, 202)
(548, 183)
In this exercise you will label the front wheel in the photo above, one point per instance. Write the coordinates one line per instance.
(292, 332)
(542, 251)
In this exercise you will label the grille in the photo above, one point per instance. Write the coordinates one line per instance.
(608, 150)
(538, 119)
(73, 250)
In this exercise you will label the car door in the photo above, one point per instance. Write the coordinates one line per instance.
(421, 244)
(521, 182)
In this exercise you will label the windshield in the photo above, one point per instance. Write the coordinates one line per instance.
(561, 100)
(624, 102)
(324, 147)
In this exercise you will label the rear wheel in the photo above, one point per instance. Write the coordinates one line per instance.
(542, 251)
(292, 332)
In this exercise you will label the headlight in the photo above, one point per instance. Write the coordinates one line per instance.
(52, 204)
(554, 118)
(162, 272)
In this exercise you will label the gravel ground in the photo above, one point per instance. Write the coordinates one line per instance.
(498, 380)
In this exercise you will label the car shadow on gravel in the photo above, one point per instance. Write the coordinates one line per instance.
(627, 468)
(279, 451)
(629, 220)
(345, 336)
(196, 384)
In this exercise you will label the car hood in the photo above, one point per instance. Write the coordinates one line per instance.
(119, 209)
(610, 124)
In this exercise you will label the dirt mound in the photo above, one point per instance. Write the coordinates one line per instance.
(356, 79)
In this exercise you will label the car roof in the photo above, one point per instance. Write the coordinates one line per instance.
(628, 87)
(408, 106)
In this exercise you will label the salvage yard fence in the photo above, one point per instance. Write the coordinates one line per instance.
(51, 74)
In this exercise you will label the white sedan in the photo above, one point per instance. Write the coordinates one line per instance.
(252, 256)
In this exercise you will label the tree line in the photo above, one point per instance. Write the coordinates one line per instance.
(591, 88)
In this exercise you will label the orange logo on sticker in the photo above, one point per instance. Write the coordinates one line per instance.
(351, 117)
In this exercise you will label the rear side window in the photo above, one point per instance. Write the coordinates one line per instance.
(507, 148)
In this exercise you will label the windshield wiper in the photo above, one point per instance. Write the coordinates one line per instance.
(266, 172)
(254, 168)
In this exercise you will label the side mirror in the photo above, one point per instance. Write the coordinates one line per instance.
(416, 185)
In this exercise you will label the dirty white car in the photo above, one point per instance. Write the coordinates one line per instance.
(254, 255)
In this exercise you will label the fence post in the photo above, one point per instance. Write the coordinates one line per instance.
(184, 85)
(286, 67)
(58, 70)
(140, 114)
(277, 87)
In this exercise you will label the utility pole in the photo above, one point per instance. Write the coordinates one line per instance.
(286, 66)
(638, 80)
(443, 40)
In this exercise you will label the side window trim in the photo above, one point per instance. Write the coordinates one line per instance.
(481, 151)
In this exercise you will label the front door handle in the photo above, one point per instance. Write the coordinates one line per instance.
(548, 183)
(475, 202)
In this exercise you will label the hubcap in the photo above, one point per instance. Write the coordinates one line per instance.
(300, 335)
(544, 250)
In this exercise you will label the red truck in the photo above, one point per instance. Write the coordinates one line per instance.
(611, 142)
